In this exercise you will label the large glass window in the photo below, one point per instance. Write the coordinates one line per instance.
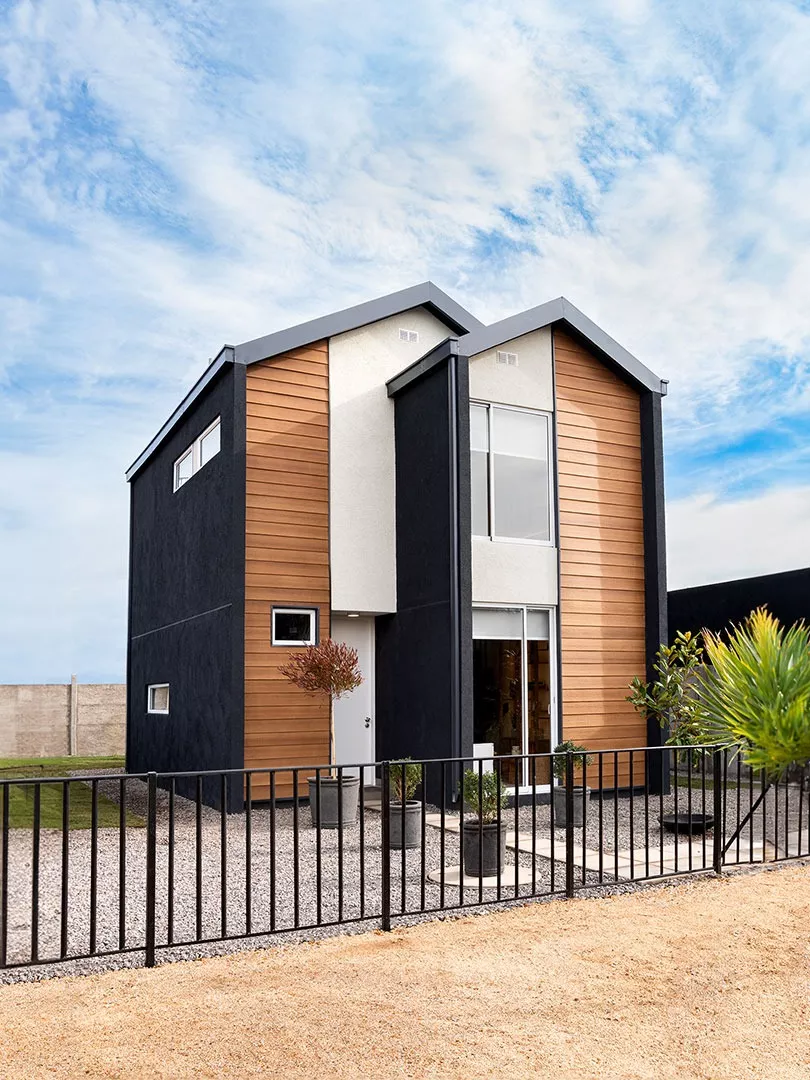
(512, 702)
(511, 478)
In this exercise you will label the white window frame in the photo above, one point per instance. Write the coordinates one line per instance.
(551, 542)
(194, 450)
(525, 787)
(149, 690)
(313, 626)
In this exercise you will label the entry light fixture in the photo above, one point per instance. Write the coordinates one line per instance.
(352, 615)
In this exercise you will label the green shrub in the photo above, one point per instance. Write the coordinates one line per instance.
(756, 692)
(412, 773)
(581, 757)
(484, 804)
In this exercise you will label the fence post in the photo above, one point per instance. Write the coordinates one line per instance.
(73, 717)
(385, 823)
(151, 866)
(569, 824)
(717, 782)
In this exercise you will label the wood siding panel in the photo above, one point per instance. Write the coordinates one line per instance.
(601, 554)
(287, 554)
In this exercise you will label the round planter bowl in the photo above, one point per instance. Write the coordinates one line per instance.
(413, 825)
(691, 824)
(484, 849)
(343, 793)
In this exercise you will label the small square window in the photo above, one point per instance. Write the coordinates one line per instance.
(157, 698)
(294, 626)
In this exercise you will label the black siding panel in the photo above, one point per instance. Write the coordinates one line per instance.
(424, 652)
(655, 567)
(187, 595)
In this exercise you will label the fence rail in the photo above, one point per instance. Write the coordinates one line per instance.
(101, 865)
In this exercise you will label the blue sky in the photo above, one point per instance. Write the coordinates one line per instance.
(179, 175)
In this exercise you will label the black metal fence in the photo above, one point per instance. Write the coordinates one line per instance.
(101, 865)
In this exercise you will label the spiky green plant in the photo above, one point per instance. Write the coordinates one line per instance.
(755, 692)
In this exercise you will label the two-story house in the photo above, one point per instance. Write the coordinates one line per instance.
(477, 509)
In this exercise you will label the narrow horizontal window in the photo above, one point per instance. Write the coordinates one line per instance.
(157, 698)
(204, 447)
(294, 626)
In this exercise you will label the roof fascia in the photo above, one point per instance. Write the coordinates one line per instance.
(224, 358)
(562, 311)
(420, 368)
(425, 295)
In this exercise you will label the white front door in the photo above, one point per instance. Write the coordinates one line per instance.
(354, 713)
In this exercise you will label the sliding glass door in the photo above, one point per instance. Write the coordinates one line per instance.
(513, 701)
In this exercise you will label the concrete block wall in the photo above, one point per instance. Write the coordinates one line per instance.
(52, 720)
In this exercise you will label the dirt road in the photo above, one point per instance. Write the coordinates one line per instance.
(708, 979)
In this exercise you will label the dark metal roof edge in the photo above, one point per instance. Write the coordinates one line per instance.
(225, 356)
(563, 311)
(426, 294)
(420, 367)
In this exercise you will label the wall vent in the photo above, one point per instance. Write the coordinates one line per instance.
(510, 358)
(408, 335)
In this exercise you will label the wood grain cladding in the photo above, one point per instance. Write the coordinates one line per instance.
(601, 553)
(286, 553)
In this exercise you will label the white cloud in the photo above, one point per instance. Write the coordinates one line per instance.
(174, 178)
(709, 540)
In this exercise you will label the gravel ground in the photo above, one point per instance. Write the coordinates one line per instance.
(623, 819)
(281, 914)
(705, 980)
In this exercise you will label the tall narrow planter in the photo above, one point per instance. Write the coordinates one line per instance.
(561, 807)
(484, 849)
(411, 836)
(337, 803)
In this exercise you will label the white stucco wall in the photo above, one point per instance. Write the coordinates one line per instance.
(530, 384)
(503, 572)
(362, 492)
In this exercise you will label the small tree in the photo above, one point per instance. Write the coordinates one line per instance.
(329, 668)
(673, 698)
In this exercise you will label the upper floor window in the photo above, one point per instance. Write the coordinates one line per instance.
(200, 452)
(510, 451)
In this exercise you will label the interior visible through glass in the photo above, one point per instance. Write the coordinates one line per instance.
(498, 689)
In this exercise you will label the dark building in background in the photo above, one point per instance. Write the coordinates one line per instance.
(714, 607)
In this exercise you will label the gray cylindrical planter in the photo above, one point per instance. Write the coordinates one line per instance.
(413, 824)
(560, 810)
(484, 849)
(347, 789)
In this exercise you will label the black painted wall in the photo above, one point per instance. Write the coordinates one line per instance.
(187, 595)
(424, 652)
(786, 595)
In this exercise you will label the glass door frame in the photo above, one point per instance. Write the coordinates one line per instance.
(525, 787)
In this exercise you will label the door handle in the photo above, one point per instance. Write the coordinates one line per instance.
(368, 721)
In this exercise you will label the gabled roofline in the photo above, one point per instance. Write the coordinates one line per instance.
(224, 357)
(425, 295)
(562, 311)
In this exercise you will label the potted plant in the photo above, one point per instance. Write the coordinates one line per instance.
(484, 842)
(330, 668)
(406, 775)
(581, 794)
